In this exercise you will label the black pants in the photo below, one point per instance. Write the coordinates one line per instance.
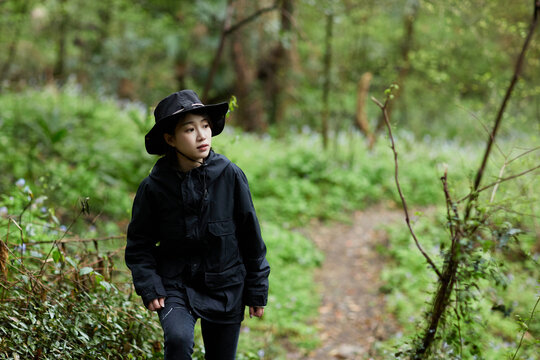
(178, 323)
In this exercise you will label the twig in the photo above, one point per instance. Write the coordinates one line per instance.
(450, 205)
(250, 18)
(77, 240)
(506, 163)
(396, 177)
(57, 241)
(523, 335)
(499, 181)
(524, 153)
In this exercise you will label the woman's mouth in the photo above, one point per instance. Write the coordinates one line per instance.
(203, 147)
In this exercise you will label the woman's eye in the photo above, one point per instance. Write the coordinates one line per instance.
(190, 130)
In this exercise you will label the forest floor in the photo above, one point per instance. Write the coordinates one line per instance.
(352, 316)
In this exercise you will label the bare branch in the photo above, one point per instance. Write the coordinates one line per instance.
(396, 177)
(500, 180)
(250, 18)
(77, 240)
(528, 323)
(227, 30)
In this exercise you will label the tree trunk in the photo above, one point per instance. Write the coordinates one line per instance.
(249, 110)
(59, 67)
(361, 113)
(327, 78)
(219, 51)
(12, 49)
(406, 47)
(273, 69)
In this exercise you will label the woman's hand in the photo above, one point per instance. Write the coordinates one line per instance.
(156, 304)
(257, 311)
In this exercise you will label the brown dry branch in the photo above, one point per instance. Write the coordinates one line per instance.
(77, 240)
(250, 18)
(396, 177)
(500, 180)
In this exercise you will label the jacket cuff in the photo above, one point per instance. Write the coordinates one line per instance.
(255, 299)
(158, 291)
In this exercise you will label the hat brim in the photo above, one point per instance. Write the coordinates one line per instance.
(155, 143)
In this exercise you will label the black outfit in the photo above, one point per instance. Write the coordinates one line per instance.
(194, 238)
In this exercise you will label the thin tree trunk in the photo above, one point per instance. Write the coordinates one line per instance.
(219, 51)
(277, 109)
(249, 106)
(327, 78)
(405, 60)
(12, 49)
(361, 113)
(59, 67)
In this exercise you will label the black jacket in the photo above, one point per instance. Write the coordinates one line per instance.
(198, 230)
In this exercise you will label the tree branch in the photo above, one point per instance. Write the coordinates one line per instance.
(500, 181)
(77, 240)
(227, 30)
(250, 18)
(396, 177)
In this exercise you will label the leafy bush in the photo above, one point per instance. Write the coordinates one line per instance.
(293, 181)
(494, 305)
(74, 145)
(57, 298)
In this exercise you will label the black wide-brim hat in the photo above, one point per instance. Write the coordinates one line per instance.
(176, 105)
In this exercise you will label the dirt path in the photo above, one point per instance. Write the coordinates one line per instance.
(352, 316)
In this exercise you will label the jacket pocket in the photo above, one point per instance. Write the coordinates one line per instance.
(222, 244)
(221, 228)
(230, 277)
(223, 293)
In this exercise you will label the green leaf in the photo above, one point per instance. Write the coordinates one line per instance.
(57, 256)
(85, 270)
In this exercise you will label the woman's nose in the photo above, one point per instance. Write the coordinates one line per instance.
(201, 134)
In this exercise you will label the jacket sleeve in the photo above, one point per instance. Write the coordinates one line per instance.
(140, 247)
(251, 244)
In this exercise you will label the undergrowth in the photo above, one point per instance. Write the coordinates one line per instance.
(67, 146)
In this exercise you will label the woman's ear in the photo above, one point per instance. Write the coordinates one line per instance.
(169, 139)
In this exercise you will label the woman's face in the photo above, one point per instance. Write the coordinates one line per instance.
(192, 137)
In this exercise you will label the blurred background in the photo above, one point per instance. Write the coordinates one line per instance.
(78, 84)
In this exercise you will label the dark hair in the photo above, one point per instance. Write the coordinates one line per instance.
(171, 126)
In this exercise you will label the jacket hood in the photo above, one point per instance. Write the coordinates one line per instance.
(166, 173)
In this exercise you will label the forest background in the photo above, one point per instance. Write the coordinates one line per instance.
(79, 80)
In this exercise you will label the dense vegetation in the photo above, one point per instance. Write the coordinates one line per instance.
(78, 80)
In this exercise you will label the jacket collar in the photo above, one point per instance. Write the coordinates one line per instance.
(214, 164)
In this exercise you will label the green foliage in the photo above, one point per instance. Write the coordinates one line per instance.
(292, 303)
(495, 287)
(292, 181)
(58, 300)
(453, 60)
(73, 145)
(68, 146)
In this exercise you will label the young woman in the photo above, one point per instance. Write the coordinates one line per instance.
(194, 245)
